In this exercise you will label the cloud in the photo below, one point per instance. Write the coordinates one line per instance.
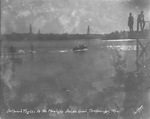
(64, 20)
(39, 22)
(105, 15)
(69, 23)
(24, 13)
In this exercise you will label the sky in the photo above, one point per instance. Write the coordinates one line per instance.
(70, 16)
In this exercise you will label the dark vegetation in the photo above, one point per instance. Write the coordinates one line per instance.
(47, 37)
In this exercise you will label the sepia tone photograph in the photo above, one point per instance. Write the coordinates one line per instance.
(74, 59)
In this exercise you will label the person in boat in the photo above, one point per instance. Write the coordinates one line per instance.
(82, 46)
(130, 22)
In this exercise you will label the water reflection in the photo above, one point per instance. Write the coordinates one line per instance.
(61, 79)
(123, 47)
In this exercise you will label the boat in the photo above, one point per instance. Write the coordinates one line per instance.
(21, 52)
(80, 48)
(32, 51)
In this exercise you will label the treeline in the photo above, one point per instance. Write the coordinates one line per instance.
(127, 35)
(45, 37)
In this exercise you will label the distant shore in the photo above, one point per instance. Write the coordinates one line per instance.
(50, 37)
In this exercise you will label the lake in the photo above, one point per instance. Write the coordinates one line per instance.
(55, 75)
